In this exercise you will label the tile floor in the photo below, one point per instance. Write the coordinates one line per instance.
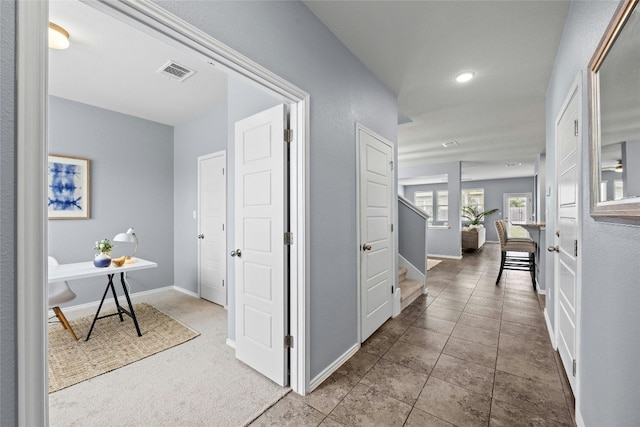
(469, 353)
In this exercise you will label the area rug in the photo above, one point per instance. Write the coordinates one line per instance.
(113, 344)
(432, 263)
(198, 383)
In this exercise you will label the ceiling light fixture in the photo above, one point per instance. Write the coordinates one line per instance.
(510, 165)
(450, 144)
(58, 37)
(465, 76)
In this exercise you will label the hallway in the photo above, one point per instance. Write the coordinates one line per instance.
(470, 353)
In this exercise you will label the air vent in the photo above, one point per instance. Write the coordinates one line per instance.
(176, 71)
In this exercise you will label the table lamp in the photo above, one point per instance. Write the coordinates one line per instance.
(128, 237)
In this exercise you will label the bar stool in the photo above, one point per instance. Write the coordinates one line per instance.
(511, 261)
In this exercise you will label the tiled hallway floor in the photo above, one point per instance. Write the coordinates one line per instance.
(470, 353)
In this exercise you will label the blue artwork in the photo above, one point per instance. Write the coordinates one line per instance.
(67, 180)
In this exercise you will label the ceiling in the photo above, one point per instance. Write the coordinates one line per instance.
(417, 47)
(112, 65)
(414, 47)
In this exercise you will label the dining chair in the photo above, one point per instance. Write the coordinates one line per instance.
(59, 293)
(512, 253)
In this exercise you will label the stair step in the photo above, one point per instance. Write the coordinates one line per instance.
(402, 274)
(408, 287)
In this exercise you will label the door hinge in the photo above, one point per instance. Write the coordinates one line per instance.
(392, 228)
(575, 127)
(288, 238)
(288, 135)
(222, 227)
(575, 248)
(222, 171)
(223, 283)
(288, 341)
(391, 164)
(574, 367)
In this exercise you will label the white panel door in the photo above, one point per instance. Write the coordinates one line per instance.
(376, 217)
(261, 281)
(212, 237)
(567, 223)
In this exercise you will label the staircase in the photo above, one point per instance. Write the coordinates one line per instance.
(409, 289)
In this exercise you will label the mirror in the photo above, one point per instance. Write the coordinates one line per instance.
(615, 119)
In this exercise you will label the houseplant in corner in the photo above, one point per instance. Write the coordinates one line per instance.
(474, 215)
(103, 258)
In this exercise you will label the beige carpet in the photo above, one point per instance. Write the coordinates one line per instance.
(113, 344)
(432, 263)
(198, 383)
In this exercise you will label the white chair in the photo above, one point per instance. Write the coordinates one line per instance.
(59, 293)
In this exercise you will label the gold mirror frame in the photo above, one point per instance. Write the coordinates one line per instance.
(625, 210)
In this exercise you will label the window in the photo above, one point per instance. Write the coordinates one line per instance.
(442, 202)
(618, 187)
(474, 198)
(424, 200)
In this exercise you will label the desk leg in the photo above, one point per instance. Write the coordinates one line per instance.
(109, 285)
(133, 313)
(115, 297)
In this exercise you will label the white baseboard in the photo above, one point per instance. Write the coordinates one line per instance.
(552, 335)
(315, 382)
(579, 420)
(444, 256)
(186, 291)
(231, 343)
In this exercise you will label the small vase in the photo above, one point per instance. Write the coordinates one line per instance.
(103, 259)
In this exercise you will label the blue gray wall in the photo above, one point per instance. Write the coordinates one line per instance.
(8, 258)
(203, 135)
(608, 391)
(286, 38)
(441, 241)
(412, 231)
(494, 190)
(131, 181)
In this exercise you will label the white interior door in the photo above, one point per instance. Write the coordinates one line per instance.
(567, 222)
(212, 216)
(376, 239)
(261, 281)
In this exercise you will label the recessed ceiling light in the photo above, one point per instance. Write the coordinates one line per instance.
(465, 76)
(510, 165)
(450, 144)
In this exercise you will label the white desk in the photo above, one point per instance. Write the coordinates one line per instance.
(84, 270)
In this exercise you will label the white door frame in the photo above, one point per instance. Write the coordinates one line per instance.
(576, 87)
(223, 154)
(394, 258)
(32, 231)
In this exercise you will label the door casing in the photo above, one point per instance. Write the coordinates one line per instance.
(32, 232)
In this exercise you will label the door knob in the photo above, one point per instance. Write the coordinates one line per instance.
(366, 247)
(200, 236)
(237, 253)
(558, 233)
(553, 249)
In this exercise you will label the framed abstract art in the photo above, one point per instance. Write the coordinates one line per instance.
(67, 187)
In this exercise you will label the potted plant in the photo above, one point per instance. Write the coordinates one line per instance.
(103, 258)
(474, 215)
